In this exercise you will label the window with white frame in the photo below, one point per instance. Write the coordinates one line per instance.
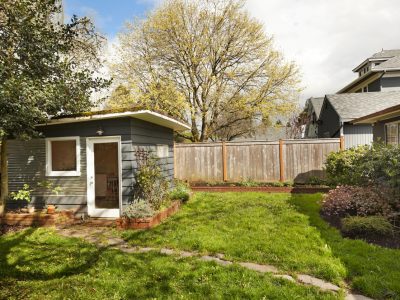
(63, 156)
(392, 133)
(162, 151)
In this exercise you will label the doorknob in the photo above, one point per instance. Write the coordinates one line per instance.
(91, 180)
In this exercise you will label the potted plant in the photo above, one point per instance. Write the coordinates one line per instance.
(48, 186)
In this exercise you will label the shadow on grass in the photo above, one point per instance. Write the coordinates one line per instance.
(31, 255)
(371, 270)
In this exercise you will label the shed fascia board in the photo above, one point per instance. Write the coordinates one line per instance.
(145, 115)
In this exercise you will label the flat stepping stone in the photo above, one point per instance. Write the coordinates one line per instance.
(115, 241)
(216, 259)
(286, 277)
(356, 297)
(146, 249)
(323, 285)
(259, 268)
(186, 254)
(166, 251)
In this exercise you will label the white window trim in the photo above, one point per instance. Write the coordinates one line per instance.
(49, 171)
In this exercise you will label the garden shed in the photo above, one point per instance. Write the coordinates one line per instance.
(92, 158)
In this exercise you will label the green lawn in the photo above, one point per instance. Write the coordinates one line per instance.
(39, 264)
(281, 229)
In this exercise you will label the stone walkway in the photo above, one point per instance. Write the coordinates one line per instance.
(103, 237)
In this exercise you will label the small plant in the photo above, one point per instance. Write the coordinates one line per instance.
(23, 194)
(248, 183)
(181, 191)
(151, 184)
(138, 209)
(48, 186)
(355, 201)
(371, 225)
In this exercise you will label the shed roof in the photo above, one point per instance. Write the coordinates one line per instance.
(142, 114)
(356, 105)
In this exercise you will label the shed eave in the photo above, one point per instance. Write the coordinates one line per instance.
(145, 115)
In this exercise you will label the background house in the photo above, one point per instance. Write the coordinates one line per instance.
(376, 88)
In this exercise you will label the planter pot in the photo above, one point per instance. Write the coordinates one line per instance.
(51, 209)
(31, 209)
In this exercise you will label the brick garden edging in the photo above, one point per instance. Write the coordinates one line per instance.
(65, 217)
(147, 223)
(266, 189)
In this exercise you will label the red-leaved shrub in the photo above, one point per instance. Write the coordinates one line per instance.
(355, 201)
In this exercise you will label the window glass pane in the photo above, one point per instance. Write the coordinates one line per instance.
(392, 134)
(63, 155)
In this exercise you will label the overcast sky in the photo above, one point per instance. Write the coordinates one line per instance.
(326, 38)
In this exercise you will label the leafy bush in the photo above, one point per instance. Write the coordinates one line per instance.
(355, 201)
(151, 185)
(138, 209)
(378, 164)
(23, 194)
(371, 225)
(181, 192)
(343, 167)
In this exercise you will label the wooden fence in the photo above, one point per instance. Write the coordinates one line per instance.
(282, 160)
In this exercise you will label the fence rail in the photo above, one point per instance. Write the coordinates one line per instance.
(260, 161)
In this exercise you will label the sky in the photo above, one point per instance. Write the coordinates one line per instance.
(326, 38)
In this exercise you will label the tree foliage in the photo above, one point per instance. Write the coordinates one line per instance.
(46, 68)
(208, 62)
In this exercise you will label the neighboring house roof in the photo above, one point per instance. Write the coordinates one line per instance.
(317, 105)
(391, 63)
(386, 53)
(356, 105)
(142, 114)
(385, 114)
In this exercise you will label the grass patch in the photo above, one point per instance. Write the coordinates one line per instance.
(254, 227)
(39, 264)
(372, 270)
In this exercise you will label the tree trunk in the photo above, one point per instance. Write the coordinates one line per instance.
(4, 175)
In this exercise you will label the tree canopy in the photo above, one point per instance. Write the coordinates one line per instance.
(46, 68)
(207, 62)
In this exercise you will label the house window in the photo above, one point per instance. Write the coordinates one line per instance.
(63, 156)
(162, 151)
(392, 134)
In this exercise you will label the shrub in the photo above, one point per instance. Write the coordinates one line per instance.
(138, 209)
(343, 167)
(181, 192)
(378, 164)
(23, 194)
(371, 225)
(355, 201)
(151, 185)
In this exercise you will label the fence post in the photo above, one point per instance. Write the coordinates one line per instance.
(342, 142)
(224, 170)
(281, 162)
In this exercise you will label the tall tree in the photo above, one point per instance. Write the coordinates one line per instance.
(213, 54)
(46, 69)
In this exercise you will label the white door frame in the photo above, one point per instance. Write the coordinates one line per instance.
(92, 210)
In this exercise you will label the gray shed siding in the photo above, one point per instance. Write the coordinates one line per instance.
(330, 122)
(27, 159)
(355, 135)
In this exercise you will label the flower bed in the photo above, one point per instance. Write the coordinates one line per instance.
(38, 218)
(267, 189)
(147, 223)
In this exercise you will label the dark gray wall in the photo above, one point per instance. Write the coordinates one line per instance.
(330, 123)
(375, 86)
(390, 84)
(379, 129)
(27, 159)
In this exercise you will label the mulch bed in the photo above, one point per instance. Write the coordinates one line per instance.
(266, 189)
(4, 229)
(392, 241)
